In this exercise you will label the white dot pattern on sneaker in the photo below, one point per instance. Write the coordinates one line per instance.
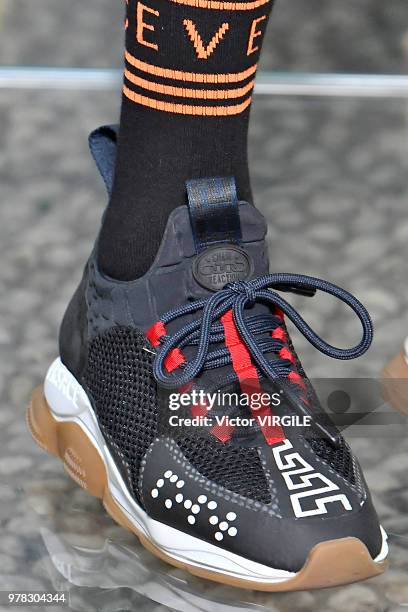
(223, 525)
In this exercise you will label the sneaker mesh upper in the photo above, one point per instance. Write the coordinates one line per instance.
(340, 459)
(119, 377)
(233, 467)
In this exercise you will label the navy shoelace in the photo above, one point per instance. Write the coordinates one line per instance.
(238, 296)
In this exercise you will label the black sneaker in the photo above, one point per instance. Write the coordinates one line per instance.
(259, 491)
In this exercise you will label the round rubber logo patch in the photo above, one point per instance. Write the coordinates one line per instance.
(218, 266)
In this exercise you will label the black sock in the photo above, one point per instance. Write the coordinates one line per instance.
(171, 130)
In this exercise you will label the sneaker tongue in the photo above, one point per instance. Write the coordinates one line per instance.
(213, 241)
(224, 232)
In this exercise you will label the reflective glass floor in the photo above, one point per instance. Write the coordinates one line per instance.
(330, 174)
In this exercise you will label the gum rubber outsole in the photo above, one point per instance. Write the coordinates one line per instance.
(394, 383)
(330, 563)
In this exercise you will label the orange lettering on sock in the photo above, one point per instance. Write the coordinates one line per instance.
(204, 52)
(254, 33)
(142, 25)
(126, 20)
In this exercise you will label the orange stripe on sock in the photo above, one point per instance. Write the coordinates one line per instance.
(193, 77)
(186, 109)
(223, 6)
(181, 92)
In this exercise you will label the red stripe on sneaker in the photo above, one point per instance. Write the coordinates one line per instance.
(243, 367)
(155, 332)
(297, 379)
(279, 313)
(199, 410)
(222, 432)
(279, 334)
(174, 360)
(248, 376)
(285, 353)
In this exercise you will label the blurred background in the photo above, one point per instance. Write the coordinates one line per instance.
(368, 36)
(329, 171)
